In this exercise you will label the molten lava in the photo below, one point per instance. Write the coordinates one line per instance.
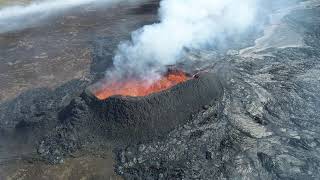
(139, 87)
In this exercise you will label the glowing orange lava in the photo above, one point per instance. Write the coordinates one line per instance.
(140, 88)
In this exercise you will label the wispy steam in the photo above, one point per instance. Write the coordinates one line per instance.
(19, 17)
(184, 24)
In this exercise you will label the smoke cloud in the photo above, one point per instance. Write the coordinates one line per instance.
(184, 24)
(19, 17)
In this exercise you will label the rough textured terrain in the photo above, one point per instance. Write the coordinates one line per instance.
(266, 127)
(265, 124)
(45, 67)
(123, 120)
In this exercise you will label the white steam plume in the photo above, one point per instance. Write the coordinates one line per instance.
(184, 24)
(22, 16)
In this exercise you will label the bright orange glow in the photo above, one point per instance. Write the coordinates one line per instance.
(136, 88)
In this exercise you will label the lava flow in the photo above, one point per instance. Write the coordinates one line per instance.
(136, 88)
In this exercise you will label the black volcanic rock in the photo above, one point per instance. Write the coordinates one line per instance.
(129, 119)
(37, 108)
(266, 126)
(158, 113)
(264, 123)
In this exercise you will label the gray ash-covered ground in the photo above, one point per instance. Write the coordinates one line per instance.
(265, 125)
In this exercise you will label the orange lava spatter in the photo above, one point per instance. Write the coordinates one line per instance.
(136, 88)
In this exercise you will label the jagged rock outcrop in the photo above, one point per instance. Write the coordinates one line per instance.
(129, 119)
